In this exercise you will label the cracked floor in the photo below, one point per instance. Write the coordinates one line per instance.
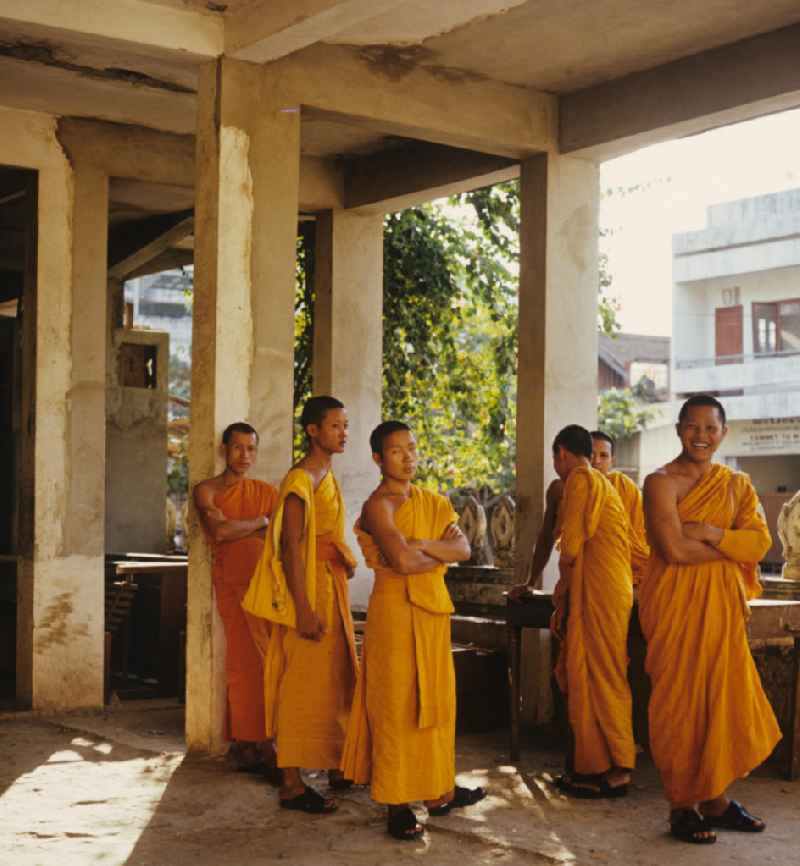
(118, 789)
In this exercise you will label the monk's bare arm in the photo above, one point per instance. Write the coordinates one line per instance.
(547, 533)
(378, 520)
(217, 525)
(451, 547)
(292, 531)
(664, 526)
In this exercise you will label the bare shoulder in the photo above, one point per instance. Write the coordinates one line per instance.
(204, 491)
(660, 483)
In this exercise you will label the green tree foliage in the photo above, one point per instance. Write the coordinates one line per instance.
(619, 414)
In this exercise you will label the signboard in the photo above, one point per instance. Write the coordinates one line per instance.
(764, 436)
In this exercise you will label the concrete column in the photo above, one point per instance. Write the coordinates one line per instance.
(348, 349)
(62, 588)
(248, 159)
(557, 368)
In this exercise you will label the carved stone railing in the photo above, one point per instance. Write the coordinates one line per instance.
(487, 519)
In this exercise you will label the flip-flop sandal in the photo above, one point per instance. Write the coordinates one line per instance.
(611, 792)
(687, 825)
(309, 801)
(402, 824)
(736, 817)
(583, 792)
(462, 797)
(339, 783)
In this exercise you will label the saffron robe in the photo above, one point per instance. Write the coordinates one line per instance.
(233, 565)
(632, 502)
(308, 685)
(401, 736)
(710, 722)
(597, 603)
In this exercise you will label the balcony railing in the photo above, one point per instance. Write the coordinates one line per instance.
(722, 360)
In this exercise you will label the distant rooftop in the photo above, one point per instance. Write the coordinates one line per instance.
(622, 350)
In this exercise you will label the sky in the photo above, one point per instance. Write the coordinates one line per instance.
(677, 181)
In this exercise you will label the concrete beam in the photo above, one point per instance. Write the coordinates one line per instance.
(148, 25)
(169, 260)
(123, 269)
(272, 29)
(428, 103)
(407, 176)
(725, 85)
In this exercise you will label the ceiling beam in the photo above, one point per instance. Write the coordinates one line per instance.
(419, 172)
(725, 85)
(133, 245)
(272, 29)
(135, 22)
(446, 106)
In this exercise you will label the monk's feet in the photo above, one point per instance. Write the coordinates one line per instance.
(257, 759)
(689, 825)
(727, 814)
(458, 798)
(307, 800)
(402, 824)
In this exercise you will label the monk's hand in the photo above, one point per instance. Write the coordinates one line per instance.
(703, 532)
(520, 592)
(452, 532)
(309, 625)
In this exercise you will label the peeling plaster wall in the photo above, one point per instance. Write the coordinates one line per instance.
(60, 596)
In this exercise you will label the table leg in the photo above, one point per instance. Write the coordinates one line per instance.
(514, 659)
(793, 769)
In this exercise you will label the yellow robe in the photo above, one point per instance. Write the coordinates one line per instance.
(631, 498)
(710, 722)
(593, 662)
(401, 736)
(308, 685)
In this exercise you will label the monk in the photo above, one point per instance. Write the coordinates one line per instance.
(603, 453)
(401, 736)
(235, 512)
(300, 587)
(593, 600)
(710, 722)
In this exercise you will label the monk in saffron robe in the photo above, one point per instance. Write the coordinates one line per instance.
(710, 722)
(401, 736)
(593, 601)
(300, 587)
(603, 448)
(235, 512)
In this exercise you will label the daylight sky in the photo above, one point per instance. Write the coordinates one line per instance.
(678, 181)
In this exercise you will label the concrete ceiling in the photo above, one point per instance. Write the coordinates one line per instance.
(556, 46)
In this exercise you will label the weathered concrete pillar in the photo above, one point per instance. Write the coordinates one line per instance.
(557, 373)
(62, 588)
(248, 162)
(348, 348)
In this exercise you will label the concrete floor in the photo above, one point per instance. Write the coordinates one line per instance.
(118, 789)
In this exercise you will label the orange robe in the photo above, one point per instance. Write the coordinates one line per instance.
(401, 736)
(631, 498)
(234, 563)
(710, 722)
(308, 685)
(593, 662)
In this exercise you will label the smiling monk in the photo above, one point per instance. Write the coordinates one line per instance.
(710, 722)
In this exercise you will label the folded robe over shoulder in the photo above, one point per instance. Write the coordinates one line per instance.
(593, 661)
(401, 736)
(710, 722)
(632, 502)
(234, 563)
(308, 685)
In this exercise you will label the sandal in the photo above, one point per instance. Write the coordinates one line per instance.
(402, 824)
(688, 825)
(309, 801)
(337, 782)
(462, 797)
(736, 817)
(569, 786)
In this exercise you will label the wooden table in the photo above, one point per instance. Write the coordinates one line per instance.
(769, 620)
(172, 615)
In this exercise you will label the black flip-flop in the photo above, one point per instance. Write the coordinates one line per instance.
(462, 797)
(402, 824)
(736, 817)
(339, 783)
(309, 801)
(687, 825)
(583, 792)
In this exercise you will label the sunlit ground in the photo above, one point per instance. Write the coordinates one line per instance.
(119, 790)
